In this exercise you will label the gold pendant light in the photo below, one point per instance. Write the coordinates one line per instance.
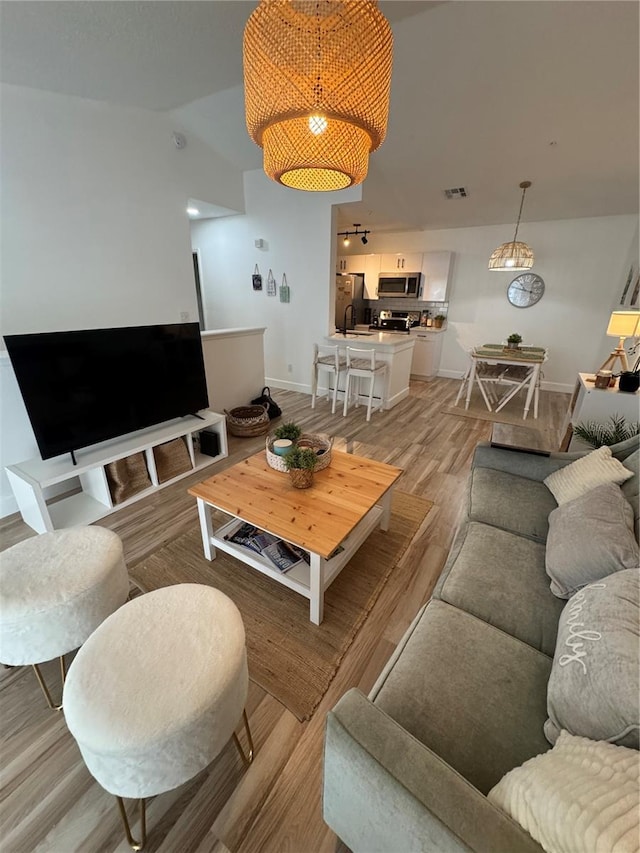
(513, 256)
(317, 76)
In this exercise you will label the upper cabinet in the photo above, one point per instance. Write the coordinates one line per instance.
(351, 263)
(401, 262)
(436, 275)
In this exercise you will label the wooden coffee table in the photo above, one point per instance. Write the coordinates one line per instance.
(347, 501)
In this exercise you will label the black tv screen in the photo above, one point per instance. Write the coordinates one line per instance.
(83, 387)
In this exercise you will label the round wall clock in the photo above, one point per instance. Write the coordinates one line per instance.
(525, 290)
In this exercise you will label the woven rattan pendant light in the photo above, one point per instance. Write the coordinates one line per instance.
(317, 75)
(513, 256)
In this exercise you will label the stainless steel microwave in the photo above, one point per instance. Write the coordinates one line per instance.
(407, 284)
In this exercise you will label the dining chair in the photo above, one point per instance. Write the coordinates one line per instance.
(362, 364)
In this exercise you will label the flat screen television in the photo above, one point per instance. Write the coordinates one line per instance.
(83, 387)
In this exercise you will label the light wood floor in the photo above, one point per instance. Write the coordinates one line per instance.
(49, 802)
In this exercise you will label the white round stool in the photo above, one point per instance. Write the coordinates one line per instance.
(55, 589)
(157, 691)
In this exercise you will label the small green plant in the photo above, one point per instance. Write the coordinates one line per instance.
(514, 338)
(289, 430)
(440, 317)
(304, 458)
(611, 432)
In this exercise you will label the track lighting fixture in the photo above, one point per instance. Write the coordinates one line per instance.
(357, 233)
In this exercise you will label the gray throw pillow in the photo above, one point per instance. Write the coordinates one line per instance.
(589, 538)
(594, 688)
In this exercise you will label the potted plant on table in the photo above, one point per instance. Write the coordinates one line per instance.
(438, 320)
(514, 340)
(301, 463)
(285, 437)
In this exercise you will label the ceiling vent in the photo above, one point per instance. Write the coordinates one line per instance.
(456, 192)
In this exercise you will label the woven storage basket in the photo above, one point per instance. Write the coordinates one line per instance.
(301, 478)
(319, 443)
(247, 421)
(171, 458)
(126, 477)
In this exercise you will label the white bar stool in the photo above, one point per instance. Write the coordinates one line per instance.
(327, 359)
(362, 364)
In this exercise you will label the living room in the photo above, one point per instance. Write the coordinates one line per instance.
(95, 235)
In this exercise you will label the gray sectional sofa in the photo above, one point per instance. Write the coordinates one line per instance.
(463, 699)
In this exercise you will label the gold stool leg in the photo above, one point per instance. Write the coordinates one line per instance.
(44, 687)
(246, 758)
(135, 845)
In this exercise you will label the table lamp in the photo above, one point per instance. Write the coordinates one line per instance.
(623, 324)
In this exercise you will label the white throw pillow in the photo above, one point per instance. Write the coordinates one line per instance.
(581, 795)
(579, 477)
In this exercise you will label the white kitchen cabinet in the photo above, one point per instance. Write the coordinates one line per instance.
(589, 403)
(425, 362)
(411, 262)
(371, 271)
(436, 275)
(29, 479)
(351, 263)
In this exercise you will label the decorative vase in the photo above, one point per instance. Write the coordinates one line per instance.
(301, 478)
(512, 345)
(629, 381)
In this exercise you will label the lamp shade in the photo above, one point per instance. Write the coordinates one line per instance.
(624, 324)
(511, 256)
(317, 77)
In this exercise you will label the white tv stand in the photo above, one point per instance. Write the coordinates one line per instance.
(29, 479)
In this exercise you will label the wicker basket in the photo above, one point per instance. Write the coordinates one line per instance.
(248, 421)
(171, 458)
(126, 477)
(301, 478)
(319, 443)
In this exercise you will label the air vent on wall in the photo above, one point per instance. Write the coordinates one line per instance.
(456, 192)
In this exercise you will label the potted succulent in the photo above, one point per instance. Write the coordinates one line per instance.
(301, 463)
(514, 340)
(438, 320)
(611, 432)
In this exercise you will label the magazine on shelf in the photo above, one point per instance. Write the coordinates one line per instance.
(282, 554)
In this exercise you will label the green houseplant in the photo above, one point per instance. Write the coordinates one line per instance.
(289, 430)
(301, 463)
(438, 320)
(611, 432)
(514, 340)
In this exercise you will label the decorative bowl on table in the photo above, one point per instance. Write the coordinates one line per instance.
(319, 443)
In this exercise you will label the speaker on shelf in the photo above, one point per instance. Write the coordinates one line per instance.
(209, 443)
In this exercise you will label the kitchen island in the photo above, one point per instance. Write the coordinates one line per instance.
(394, 349)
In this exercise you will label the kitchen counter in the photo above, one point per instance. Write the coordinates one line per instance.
(393, 348)
(387, 341)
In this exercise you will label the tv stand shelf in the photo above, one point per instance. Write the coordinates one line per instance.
(29, 479)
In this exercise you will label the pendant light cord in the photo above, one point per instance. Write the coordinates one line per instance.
(525, 186)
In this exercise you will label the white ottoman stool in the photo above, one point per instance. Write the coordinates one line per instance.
(55, 589)
(157, 691)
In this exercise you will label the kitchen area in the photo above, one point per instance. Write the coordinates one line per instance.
(375, 297)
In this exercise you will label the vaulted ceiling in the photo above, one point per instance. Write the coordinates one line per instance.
(484, 95)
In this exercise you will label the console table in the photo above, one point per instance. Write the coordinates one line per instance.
(589, 403)
(31, 478)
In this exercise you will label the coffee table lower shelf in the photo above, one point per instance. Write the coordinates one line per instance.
(310, 581)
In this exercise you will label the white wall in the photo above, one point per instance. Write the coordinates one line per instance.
(94, 227)
(583, 262)
(298, 229)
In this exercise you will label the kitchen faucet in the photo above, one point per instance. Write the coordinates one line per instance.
(353, 317)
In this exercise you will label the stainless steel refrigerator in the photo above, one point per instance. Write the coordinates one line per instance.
(349, 291)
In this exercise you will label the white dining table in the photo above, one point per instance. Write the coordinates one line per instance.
(531, 358)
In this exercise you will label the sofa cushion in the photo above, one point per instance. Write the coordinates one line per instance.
(469, 692)
(631, 488)
(510, 502)
(594, 689)
(589, 538)
(578, 478)
(581, 795)
(500, 578)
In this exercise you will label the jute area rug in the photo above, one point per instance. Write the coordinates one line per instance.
(290, 657)
(511, 414)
